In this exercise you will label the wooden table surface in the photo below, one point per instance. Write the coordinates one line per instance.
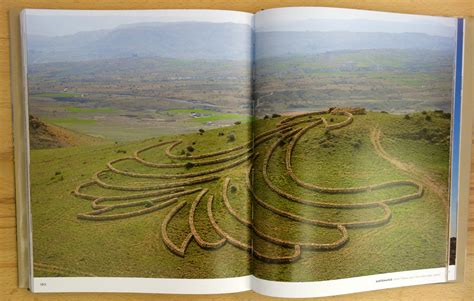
(8, 271)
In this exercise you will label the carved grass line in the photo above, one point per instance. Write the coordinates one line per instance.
(246, 247)
(248, 144)
(199, 240)
(181, 250)
(291, 118)
(175, 176)
(95, 203)
(277, 241)
(343, 123)
(320, 204)
(127, 197)
(153, 187)
(96, 214)
(166, 194)
(338, 190)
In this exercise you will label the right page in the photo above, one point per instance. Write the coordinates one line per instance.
(354, 192)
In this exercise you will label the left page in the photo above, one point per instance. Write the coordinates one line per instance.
(136, 120)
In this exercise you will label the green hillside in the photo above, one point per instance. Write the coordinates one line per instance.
(125, 209)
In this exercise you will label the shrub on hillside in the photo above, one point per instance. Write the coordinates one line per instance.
(231, 137)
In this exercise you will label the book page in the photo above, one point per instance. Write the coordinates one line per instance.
(356, 189)
(136, 121)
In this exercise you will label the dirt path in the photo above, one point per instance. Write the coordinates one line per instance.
(436, 187)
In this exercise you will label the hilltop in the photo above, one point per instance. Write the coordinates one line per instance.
(151, 191)
(43, 135)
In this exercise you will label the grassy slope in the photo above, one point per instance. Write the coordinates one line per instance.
(407, 242)
(133, 247)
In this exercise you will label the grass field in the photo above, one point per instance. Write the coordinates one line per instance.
(58, 95)
(206, 116)
(90, 110)
(389, 80)
(71, 121)
(69, 239)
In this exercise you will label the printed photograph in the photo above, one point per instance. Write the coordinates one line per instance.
(358, 183)
(136, 119)
(297, 145)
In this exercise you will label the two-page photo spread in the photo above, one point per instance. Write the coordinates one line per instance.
(295, 152)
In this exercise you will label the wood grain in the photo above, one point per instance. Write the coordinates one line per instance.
(8, 266)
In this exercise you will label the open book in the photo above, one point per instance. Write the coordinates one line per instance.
(295, 152)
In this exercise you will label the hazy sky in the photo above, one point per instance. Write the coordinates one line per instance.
(56, 22)
(330, 19)
(63, 22)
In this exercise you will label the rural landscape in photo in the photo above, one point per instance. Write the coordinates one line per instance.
(154, 153)
(351, 183)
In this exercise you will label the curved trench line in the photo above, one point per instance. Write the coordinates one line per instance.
(336, 190)
(96, 202)
(431, 184)
(102, 184)
(169, 193)
(323, 204)
(267, 136)
(96, 214)
(340, 226)
(174, 176)
(342, 124)
(248, 144)
(290, 118)
(195, 163)
(277, 241)
(181, 250)
(165, 200)
(243, 246)
(200, 241)
(80, 194)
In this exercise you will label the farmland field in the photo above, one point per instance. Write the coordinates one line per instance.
(396, 81)
(138, 98)
(333, 195)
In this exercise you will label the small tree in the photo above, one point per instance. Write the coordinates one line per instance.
(231, 137)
